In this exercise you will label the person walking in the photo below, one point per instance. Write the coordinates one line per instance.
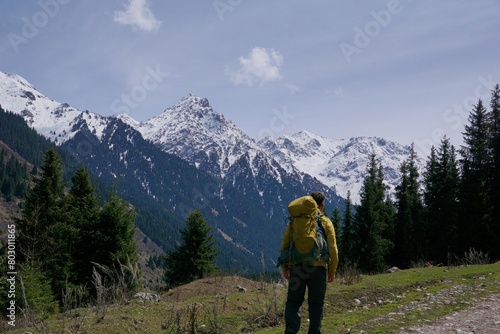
(312, 275)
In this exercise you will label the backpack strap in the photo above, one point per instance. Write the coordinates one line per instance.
(290, 220)
(318, 221)
(320, 226)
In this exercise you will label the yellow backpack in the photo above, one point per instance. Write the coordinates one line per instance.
(307, 240)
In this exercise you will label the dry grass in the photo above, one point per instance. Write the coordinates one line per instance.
(216, 304)
(233, 304)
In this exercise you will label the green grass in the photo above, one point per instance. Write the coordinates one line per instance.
(376, 304)
(394, 301)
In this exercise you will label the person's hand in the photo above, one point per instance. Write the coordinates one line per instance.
(330, 278)
(286, 274)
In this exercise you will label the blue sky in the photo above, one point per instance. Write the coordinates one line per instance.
(408, 71)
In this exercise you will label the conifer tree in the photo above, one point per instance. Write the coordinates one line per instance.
(347, 242)
(195, 256)
(495, 177)
(430, 199)
(41, 239)
(116, 230)
(441, 181)
(372, 219)
(475, 165)
(336, 221)
(408, 234)
(83, 214)
(13, 177)
(42, 211)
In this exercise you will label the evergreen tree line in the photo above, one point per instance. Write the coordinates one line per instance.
(64, 233)
(22, 139)
(435, 218)
(152, 217)
(14, 177)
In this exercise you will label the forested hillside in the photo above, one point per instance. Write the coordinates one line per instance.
(449, 210)
(437, 217)
(171, 175)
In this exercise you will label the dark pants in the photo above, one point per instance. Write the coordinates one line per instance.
(314, 278)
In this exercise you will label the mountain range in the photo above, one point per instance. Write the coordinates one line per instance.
(192, 157)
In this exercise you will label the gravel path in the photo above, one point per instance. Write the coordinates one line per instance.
(482, 318)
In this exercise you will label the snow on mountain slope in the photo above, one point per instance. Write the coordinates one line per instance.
(192, 130)
(340, 164)
(54, 120)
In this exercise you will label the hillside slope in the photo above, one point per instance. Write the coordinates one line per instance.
(422, 300)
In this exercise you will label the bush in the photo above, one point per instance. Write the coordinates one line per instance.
(475, 257)
(35, 297)
(349, 273)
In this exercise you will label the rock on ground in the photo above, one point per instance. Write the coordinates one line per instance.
(482, 318)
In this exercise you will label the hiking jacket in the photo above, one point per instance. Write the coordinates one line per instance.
(332, 246)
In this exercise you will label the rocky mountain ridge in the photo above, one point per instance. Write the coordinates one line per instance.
(194, 131)
(191, 157)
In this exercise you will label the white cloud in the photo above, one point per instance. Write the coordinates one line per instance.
(137, 13)
(261, 65)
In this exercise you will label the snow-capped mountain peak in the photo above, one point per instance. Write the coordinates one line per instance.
(190, 109)
(127, 119)
(192, 130)
(54, 120)
(194, 102)
(339, 163)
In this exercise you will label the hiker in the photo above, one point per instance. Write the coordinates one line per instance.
(311, 274)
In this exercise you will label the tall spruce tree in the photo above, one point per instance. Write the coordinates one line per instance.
(372, 220)
(476, 162)
(117, 230)
(337, 225)
(347, 243)
(431, 202)
(441, 181)
(44, 238)
(42, 211)
(195, 256)
(495, 177)
(408, 235)
(83, 212)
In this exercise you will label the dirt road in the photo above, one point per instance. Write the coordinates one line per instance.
(482, 318)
